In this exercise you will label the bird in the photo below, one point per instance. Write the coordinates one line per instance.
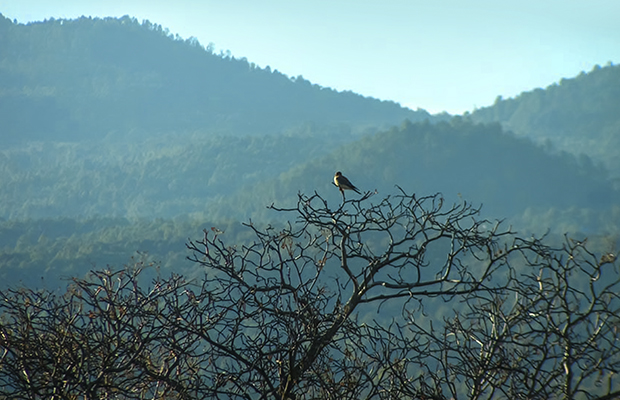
(344, 184)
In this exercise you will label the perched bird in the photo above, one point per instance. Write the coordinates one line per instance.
(343, 183)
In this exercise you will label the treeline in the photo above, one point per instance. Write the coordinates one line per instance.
(477, 163)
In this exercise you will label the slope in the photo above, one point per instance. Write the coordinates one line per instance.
(579, 116)
(479, 163)
(69, 80)
(163, 176)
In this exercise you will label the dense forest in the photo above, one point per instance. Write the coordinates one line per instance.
(580, 115)
(72, 80)
(120, 139)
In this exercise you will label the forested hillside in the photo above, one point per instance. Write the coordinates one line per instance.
(119, 137)
(68, 80)
(479, 163)
(128, 152)
(163, 176)
(579, 115)
(60, 199)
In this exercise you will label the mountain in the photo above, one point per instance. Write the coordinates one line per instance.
(115, 118)
(74, 80)
(163, 176)
(118, 137)
(579, 116)
(480, 163)
(80, 213)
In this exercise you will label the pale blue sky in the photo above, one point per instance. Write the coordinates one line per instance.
(441, 55)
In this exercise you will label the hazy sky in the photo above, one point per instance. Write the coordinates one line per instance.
(441, 55)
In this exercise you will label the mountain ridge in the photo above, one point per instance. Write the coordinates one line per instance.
(579, 115)
(117, 137)
(106, 75)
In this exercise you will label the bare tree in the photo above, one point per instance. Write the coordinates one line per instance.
(291, 302)
(103, 338)
(406, 298)
(552, 334)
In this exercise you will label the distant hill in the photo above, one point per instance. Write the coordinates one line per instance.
(235, 178)
(72, 206)
(115, 118)
(480, 163)
(579, 115)
(71, 80)
(164, 176)
(116, 136)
